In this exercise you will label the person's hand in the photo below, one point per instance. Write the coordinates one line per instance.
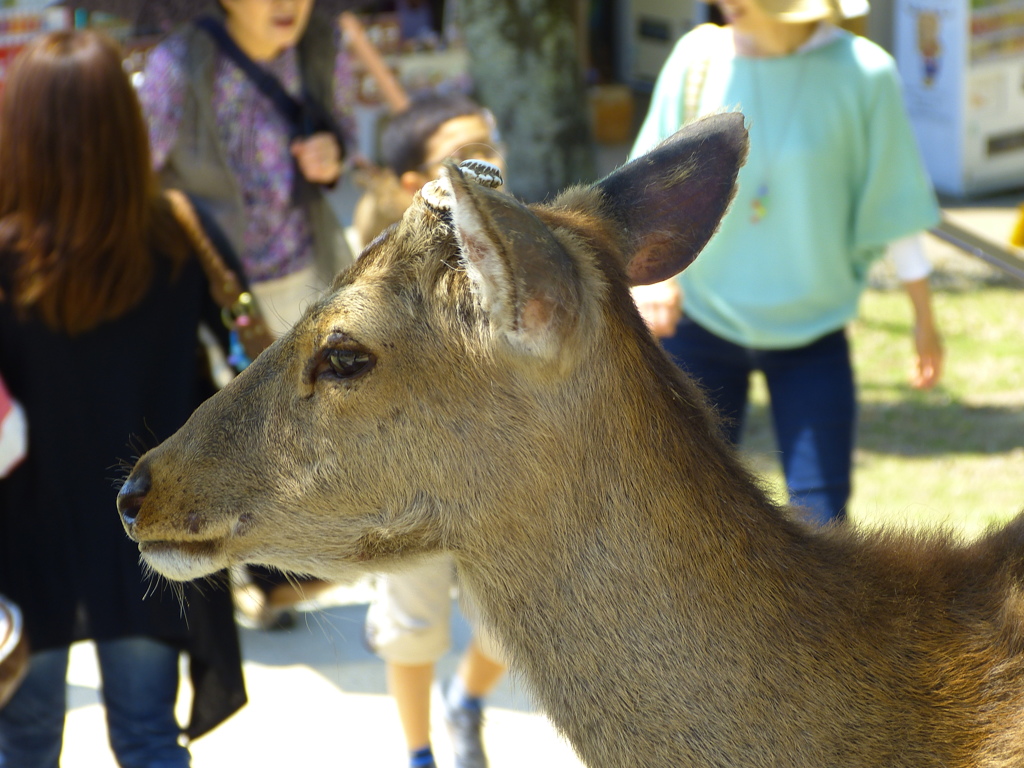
(660, 306)
(319, 157)
(928, 367)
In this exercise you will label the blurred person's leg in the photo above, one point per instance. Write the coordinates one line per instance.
(814, 411)
(721, 368)
(409, 685)
(140, 687)
(32, 723)
(478, 673)
(409, 626)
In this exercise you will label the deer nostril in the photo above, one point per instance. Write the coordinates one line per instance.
(131, 496)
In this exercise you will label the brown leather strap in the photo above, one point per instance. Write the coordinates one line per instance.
(240, 310)
(225, 286)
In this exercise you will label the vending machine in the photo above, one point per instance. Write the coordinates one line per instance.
(962, 66)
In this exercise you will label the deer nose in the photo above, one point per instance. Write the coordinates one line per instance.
(132, 494)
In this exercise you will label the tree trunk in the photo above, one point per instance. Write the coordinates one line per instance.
(524, 62)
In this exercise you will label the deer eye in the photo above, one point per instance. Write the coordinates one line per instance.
(346, 363)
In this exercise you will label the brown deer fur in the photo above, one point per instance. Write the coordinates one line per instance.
(480, 382)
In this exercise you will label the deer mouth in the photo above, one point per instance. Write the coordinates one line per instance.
(184, 560)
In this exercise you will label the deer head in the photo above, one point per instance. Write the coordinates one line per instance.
(427, 393)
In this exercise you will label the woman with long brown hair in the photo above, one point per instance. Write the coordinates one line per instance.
(100, 301)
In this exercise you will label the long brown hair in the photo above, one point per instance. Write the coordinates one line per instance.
(80, 207)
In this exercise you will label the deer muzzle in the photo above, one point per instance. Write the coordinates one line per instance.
(180, 547)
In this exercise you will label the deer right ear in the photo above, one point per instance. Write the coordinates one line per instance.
(522, 277)
(670, 201)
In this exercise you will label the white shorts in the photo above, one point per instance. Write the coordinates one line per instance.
(409, 620)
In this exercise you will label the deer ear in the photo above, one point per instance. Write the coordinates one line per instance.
(671, 200)
(523, 279)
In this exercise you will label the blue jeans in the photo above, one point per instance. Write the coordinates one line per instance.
(140, 687)
(813, 407)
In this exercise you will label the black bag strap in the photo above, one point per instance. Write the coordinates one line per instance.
(304, 117)
(212, 229)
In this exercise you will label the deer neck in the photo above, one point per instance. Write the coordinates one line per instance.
(590, 583)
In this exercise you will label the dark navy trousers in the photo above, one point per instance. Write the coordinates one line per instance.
(813, 408)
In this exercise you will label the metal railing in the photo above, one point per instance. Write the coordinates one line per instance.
(1006, 259)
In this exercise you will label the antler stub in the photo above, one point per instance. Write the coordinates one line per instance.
(482, 172)
(437, 193)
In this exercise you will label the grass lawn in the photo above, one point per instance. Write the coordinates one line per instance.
(953, 456)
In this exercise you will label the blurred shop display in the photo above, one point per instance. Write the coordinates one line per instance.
(421, 51)
(398, 54)
(20, 21)
(962, 65)
(399, 48)
(161, 16)
(419, 55)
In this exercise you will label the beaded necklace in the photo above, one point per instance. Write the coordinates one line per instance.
(761, 198)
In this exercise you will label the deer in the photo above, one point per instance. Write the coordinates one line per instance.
(480, 383)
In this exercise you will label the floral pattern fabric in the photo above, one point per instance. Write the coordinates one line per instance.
(278, 240)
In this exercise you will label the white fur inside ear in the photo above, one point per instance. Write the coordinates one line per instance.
(528, 323)
(485, 264)
(489, 271)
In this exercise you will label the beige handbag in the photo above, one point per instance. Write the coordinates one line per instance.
(14, 650)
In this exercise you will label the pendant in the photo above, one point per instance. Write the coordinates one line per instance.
(759, 204)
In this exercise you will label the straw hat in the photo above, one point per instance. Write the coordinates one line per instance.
(811, 10)
(803, 10)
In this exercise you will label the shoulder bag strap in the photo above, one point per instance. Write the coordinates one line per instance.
(304, 117)
(227, 287)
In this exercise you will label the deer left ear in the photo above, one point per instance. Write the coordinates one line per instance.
(523, 279)
(671, 200)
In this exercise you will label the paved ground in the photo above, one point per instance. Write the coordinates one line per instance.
(317, 696)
